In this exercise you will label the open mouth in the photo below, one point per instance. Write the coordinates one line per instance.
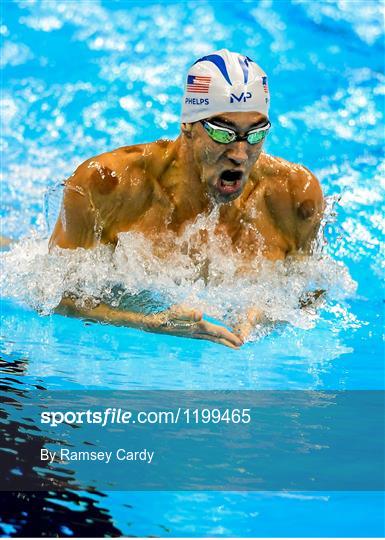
(229, 181)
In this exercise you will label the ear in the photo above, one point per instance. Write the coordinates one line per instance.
(186, 129)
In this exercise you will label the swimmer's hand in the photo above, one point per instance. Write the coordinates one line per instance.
(310, 299)
(245, 325)
(255, 316)
(176, 321)
(189, 323)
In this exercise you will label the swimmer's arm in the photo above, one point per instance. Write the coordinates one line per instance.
(76, 224)
(176, 321)
(309, 206)
(90, 206)
(303, 221)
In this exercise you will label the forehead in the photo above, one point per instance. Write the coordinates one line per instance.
(240, 120)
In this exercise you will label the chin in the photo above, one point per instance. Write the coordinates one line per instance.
(221, 196)
(227, 198)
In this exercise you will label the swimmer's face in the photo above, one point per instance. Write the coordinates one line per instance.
(225, 168)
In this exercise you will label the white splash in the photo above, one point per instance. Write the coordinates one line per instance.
(182, 270)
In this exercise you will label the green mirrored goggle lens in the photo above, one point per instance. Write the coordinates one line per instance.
(219, 135)
(257, 136)
(224, 136)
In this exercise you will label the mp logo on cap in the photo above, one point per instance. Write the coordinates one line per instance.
(243, 97)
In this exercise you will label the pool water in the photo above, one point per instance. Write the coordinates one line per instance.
(82, 78)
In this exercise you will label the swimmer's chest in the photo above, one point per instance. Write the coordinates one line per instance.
(254, 231)
(249, 225)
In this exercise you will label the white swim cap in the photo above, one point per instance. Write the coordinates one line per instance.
(224, 81)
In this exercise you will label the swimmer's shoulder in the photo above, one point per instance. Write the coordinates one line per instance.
(294, 199)
(292, 184)
(124, 169)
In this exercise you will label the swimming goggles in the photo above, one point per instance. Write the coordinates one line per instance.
(226, 135)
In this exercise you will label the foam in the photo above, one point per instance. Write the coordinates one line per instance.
(171, 272)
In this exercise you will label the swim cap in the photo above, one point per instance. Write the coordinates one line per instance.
(224, 81)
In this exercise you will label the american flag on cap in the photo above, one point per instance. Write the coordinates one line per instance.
(264, 84)
(198, 83)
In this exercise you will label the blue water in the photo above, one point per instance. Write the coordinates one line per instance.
(81, 78)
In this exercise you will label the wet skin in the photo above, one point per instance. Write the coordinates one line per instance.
(267, 206)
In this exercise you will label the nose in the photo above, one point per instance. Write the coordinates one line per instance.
(237, 153)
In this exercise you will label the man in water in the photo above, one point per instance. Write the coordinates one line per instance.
(266, 204)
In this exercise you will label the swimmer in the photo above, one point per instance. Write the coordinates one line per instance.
(161, 187)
